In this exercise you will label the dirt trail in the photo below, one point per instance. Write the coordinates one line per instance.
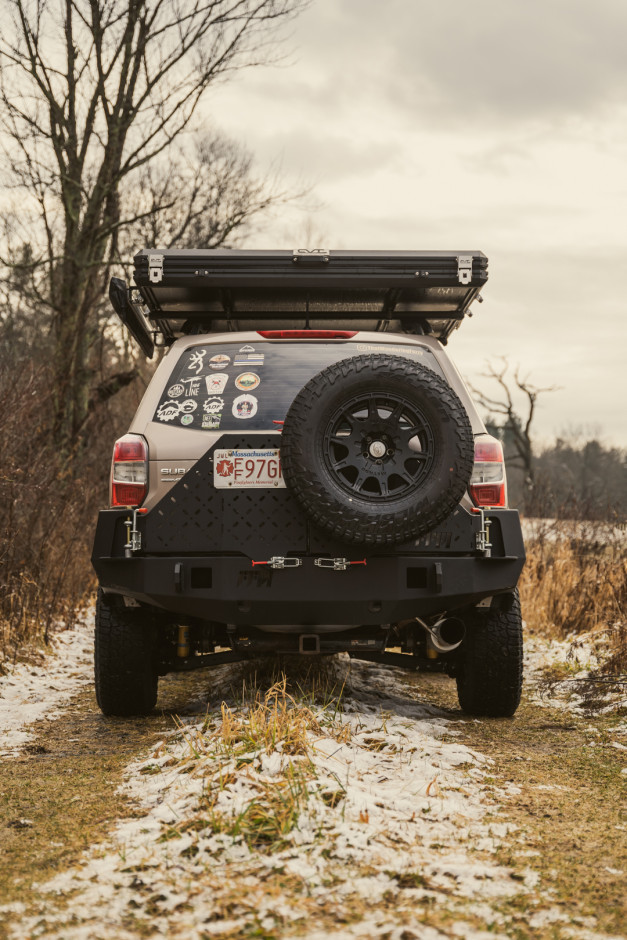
(572, 808)
(59, 797)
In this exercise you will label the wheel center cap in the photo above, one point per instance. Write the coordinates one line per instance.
(377, 449)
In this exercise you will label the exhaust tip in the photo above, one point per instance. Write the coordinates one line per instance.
(447, 634)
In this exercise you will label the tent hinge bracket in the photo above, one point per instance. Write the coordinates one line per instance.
(464, 269)
(155, 268)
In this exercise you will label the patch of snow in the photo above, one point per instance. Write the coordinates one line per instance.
(583, 655)
(554, 530)
(552, 915)
(29, 693)
(412, 813)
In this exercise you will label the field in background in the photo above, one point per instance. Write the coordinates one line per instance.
(575, 582)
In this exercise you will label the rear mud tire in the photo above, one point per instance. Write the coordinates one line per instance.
(378, 449)
(124, 659)
(490, 678)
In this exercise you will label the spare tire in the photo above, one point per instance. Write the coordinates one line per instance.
(378, 449)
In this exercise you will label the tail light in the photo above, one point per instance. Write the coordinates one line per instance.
(488, 486)
(307, 334)
(129, 471)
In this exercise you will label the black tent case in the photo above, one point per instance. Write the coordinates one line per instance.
(221, 289)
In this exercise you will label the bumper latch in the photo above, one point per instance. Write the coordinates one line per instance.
(278, 561)
(336, 564)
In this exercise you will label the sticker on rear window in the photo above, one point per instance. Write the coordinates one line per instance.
(219, 362)
(213, 406)
(245, 406)
(249, 359)
(197, 360)
(172, 409)
(247, 381)
(216, 382)
(230, 386)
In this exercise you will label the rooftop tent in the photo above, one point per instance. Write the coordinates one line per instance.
(184, 291)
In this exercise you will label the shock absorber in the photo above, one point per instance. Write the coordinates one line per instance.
(182, 646)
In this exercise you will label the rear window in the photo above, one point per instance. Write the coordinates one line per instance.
(230, 386)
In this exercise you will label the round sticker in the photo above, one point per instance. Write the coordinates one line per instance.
(245, 406)
(187, 419)
(188, 405)
(175, 391)
(247, 381)
(213, 406)
(219, 362)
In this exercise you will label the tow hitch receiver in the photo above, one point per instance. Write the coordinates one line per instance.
(336, 564)
(278, 561)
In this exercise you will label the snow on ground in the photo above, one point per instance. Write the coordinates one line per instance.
(362, 822)
(565, 674)
(372, 821)
(29, 692)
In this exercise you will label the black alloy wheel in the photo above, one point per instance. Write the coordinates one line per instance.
(379, 445)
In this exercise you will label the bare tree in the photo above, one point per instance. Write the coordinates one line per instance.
(516, 424)
(201, 195)
(93, 92)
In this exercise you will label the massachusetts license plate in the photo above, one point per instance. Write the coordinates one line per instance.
(250, 468)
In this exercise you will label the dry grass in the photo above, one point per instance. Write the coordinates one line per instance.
(263, 804)
(576, 582)
(48, 505)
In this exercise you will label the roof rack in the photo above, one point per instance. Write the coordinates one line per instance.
(180, 291)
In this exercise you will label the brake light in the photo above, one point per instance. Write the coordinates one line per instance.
(129, 471)
(488, 486)
(307, 334)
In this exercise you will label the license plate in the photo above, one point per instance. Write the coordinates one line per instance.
(247, 468)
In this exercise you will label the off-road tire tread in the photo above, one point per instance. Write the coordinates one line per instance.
(490, 679)
(424, 515)
(124, 659)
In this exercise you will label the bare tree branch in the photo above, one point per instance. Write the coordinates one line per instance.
(92, 93)
(516, 425)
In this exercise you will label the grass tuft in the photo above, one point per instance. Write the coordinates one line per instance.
(255, 761)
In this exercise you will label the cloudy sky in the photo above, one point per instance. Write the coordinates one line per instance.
(498, 125)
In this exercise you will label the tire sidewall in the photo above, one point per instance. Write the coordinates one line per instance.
(369, 521)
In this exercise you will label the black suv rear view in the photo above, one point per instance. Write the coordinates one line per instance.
(306, 474)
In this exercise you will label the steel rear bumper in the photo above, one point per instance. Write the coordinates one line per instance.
(387, 589)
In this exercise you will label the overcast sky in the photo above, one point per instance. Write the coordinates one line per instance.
(498, 125)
